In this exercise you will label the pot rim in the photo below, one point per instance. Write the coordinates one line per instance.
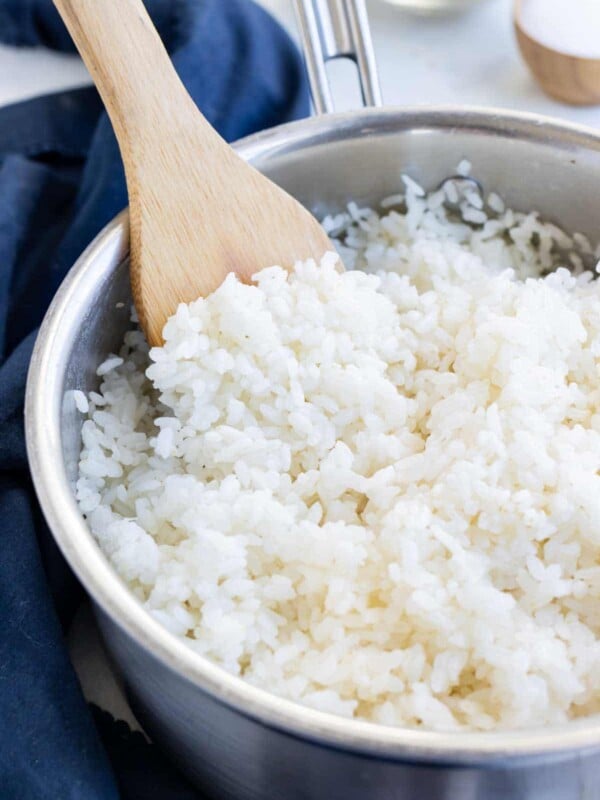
(44, 397)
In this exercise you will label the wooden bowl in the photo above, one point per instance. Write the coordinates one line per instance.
(571, 79)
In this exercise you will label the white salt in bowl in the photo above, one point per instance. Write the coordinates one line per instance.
(560, 43)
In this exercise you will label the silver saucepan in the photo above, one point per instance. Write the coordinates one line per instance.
(235, 741)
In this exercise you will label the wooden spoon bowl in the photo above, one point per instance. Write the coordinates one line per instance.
(197, 210)
(571, 79)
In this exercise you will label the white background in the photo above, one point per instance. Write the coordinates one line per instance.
(469, 59)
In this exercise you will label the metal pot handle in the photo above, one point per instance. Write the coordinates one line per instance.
(337, 29)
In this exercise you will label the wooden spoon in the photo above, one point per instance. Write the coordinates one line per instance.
(197, 210)
(570, 79)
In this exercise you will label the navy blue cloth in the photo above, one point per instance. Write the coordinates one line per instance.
(61, 180)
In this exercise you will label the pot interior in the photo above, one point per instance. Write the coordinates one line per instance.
(329, 161)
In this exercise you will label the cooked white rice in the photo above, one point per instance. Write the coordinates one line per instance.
(375, 494)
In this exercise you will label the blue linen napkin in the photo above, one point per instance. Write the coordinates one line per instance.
(61, 180)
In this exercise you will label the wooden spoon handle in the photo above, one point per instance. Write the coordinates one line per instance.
(130, 67)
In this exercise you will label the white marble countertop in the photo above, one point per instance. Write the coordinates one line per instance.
(469, 59)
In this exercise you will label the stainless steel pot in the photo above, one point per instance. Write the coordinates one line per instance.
(235, 741)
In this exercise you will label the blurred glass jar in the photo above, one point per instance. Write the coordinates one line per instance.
(435, 6)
